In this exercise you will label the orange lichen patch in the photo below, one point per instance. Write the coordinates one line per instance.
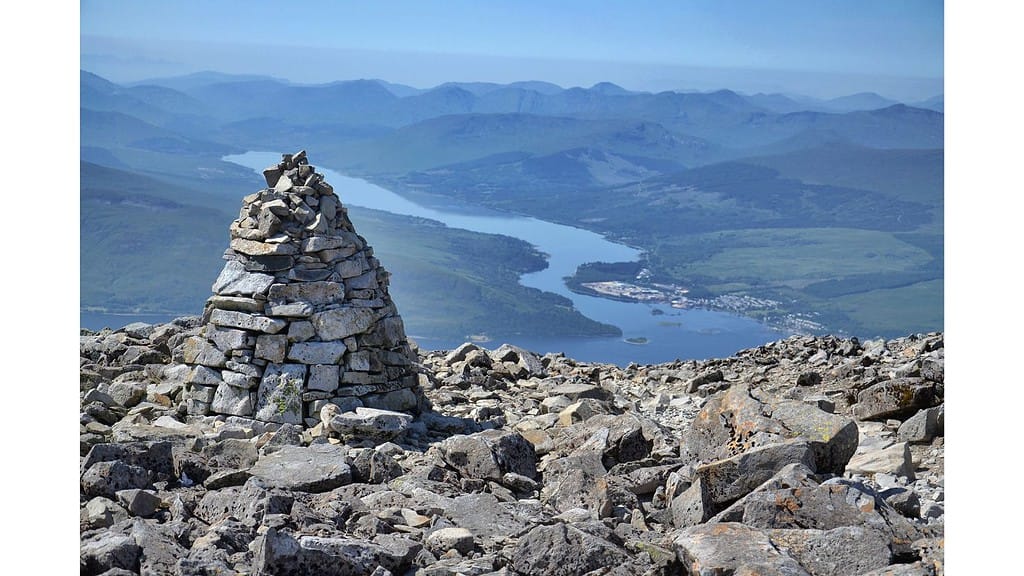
(868, 506)
(720, 529)
(788, 503)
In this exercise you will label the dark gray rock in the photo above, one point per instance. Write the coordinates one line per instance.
(692, 507)
(810, 378)
(372, 467)
(156, 457)
(897, 398)
(286, 435)
(922, 427)
(106, 551)
(278, 553)
(160, 543)
(489, 519)
(735, 421)
(836, 552)
(709, 377)
(490, 454)
(107, 478)
(248, 504)
(725, 481)
(234, 453)
(563, 550)
(732, 548)
(101, 512)
(141, 503)
(226, 478)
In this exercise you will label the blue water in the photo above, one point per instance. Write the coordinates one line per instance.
(675, 334)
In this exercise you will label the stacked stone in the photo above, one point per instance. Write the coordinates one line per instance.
(300, 316)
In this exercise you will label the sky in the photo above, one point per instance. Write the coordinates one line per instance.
(821, 48)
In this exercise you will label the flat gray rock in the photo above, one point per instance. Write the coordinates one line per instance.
(235, 280)
(563, 550)
(732, 548)
(370, 423)
(278, 553)
(315, 468)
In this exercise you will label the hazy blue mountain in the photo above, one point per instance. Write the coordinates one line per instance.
(144, 247)
(511, 180)
(349, 101)
(537, 86)
(897, 126)
(914, 175)
(937, 103)
(459, 138)
(400, 90)
(118, 130)
(474, 88)
(859, 101)
(441, 101)
(609, 89)
(195, 80)
(776, 103)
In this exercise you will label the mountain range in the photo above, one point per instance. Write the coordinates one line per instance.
(688, 177)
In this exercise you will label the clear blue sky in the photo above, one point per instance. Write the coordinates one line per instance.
(818, 47)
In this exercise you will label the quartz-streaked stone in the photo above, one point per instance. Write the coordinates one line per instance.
(279, 398)
(232, 400)
(314, 293)
(254, 248)
(198, 350)
(227, 339)
(235, 280)
(292, 310)
(370, 422)
(317, 243)
(323, 377)
(237, 303)
(272, 347)
(339, 323)
(300, 331)
(247, 321)
(317, 352)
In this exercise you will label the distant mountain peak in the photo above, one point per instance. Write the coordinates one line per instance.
(608, 88)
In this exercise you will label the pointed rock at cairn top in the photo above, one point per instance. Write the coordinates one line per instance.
(300, 316)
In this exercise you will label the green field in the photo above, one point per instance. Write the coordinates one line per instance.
(788, 257)
(914, 308)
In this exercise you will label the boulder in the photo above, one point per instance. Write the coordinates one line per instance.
(732, 548)
(370, 423)
(836, 552)
(490, 454)
(725, 481)
(735, 420)
(314, 468)
(278, 553)
(898, 398)
(563, 550)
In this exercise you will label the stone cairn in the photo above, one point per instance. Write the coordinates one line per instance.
(300, 317)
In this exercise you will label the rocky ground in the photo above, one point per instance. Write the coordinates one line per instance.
(811, 455)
